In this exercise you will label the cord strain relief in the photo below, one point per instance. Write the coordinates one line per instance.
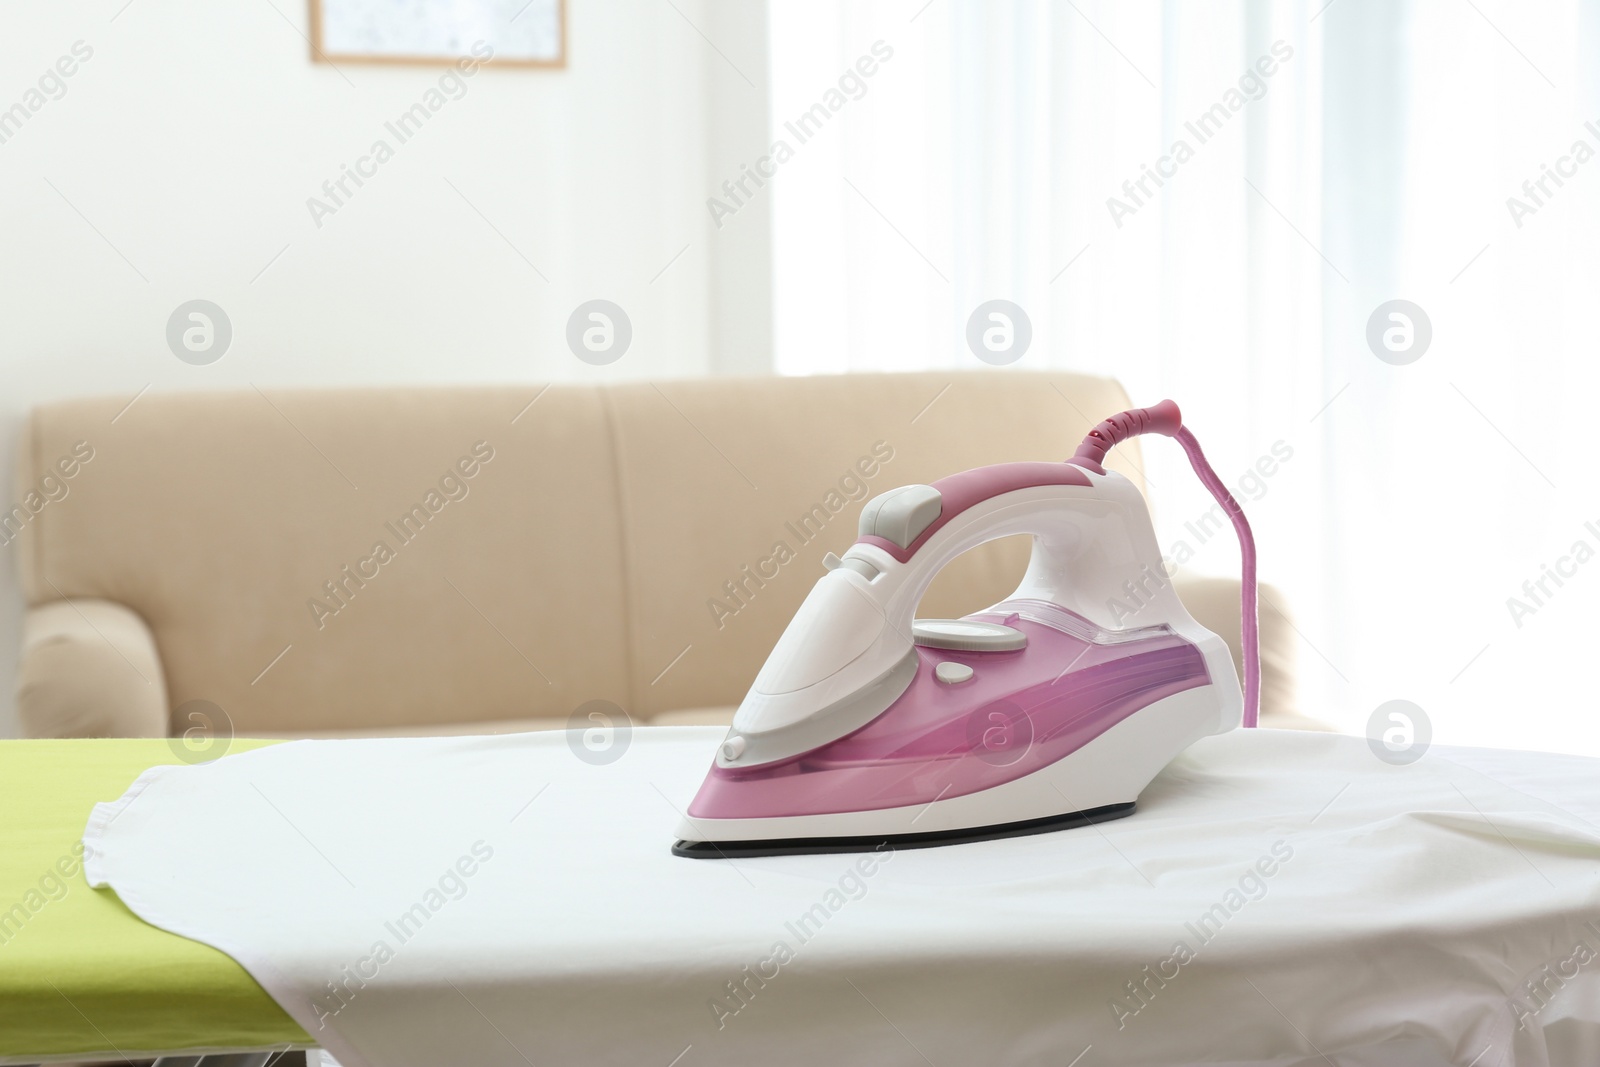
(1162, 418)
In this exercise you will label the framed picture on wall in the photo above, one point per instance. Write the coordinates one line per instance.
(520, 33)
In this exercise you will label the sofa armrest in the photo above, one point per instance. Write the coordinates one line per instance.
(1214, 603)
(89, 668)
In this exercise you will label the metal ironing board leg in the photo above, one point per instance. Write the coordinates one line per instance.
(267, 1058)
(274, 1058)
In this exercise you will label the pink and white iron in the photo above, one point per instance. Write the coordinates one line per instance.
(1053, 708)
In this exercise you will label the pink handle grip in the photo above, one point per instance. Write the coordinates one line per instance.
(959, 492)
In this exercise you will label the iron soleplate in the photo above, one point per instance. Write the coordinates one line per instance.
(813, 846)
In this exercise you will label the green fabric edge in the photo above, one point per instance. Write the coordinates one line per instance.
(79, 972)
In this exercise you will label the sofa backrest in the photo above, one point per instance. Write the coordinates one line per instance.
(342, 559)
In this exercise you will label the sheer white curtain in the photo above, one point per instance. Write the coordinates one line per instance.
(1459, 477)
(1314, 162)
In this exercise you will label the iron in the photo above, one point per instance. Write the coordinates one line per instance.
(867, 728)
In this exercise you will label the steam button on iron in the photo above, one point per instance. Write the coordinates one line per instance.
(952, 673)
(967, 635)
(900, 515)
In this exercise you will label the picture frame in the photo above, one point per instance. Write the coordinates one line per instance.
(523, 33)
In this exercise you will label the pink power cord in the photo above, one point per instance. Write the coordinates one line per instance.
(1165, 418)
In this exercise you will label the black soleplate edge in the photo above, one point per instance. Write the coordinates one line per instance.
(814, 846)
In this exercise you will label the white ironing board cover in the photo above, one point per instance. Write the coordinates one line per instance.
(1405, 911)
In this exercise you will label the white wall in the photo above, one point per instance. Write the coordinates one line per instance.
(193, 136)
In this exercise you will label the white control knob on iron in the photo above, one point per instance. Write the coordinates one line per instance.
(967, 635)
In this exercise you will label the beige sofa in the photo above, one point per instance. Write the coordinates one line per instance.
(350, 562)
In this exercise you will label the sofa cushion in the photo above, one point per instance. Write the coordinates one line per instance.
(344, 559)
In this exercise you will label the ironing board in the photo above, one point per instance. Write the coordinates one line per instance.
(1280, 899)
(79, 974)
(83, 976)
